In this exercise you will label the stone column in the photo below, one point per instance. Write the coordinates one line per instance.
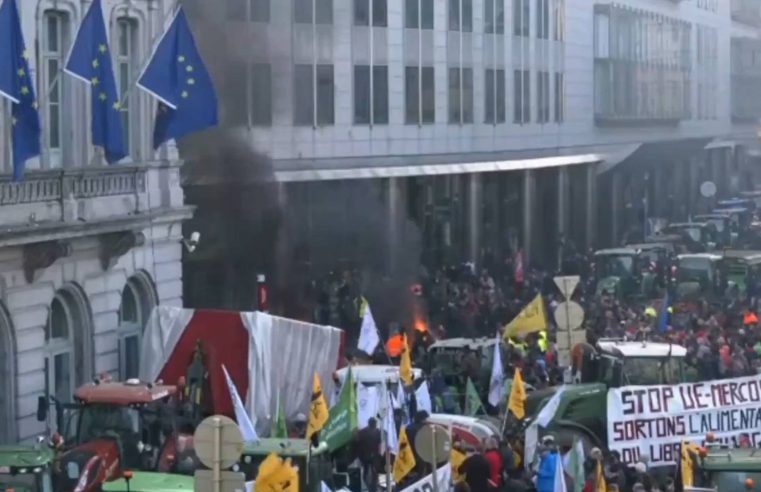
(529, 190)
(394, 208)
(563, 208)
(616, 206)
(475, 219)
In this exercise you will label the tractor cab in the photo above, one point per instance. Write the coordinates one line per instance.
(740, 217)
(700, 275)
(729, 470)
(722, 221)
(26, 468)
(315, 465)
(112, 426)
(616, 272)
(451, 355)
(742, 267)
(699, 236)
(622, 363)
(151, 482)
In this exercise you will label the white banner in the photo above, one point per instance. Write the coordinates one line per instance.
(443, 479)
(654, 420)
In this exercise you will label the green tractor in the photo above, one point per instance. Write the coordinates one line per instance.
(624, 273)
(27, 468)
(314, 463)
(729, 470)
(150, 482)
(582, 412)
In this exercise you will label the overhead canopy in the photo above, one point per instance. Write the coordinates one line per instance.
(408, 170)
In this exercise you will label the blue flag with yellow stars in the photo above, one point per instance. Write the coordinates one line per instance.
(90, 61)
(177, 76)
(17, 85)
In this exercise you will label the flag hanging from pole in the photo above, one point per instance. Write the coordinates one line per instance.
(177, 76)
(497, 380)
(245, 424)
(318, 411)
(368, 332)
(17, 85)
(90, 61)
(473, 403)
(405, 364)
(517, 401)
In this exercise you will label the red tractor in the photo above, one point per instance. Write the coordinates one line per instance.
(113, 427)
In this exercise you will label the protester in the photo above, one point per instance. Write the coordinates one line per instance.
(477, 471)
(368, 451)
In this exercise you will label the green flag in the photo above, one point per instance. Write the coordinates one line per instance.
(280, 430)
(342, 421)
(575, 466)
(473, 403)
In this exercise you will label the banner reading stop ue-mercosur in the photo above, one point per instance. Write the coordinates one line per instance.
(654, 420)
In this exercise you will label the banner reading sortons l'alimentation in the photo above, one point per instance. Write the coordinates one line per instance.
(654, 420)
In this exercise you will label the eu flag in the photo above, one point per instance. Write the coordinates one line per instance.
(16, 84)
(90, 61)
(664, 315)
(177, 76)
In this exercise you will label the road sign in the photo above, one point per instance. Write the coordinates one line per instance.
(218, 442)
(708, 189)
(230, 481)
(566, 342)
(569, 315)
(432, 444)
(567, 285)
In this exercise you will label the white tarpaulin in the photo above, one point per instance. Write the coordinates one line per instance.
(283, 356)
(160, 337)
(654, 420)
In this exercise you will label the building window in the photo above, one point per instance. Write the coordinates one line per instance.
(59, 347)
(461, 95)
(543, 97)
(494, 16)
(706, 71)
(303, 11)
(54, 38)
(522, 96)
(559, 97)
(362, 13)
(521, 17)
(412, 14)
(456, 20)
(558, 9)
(313, 86)
(420, 100)
(261, 94)
(125, 64)
(362, 91)
(543, 19)
(494, 90)
(253, 10)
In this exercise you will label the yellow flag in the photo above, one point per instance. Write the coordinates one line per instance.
(276, 475)
(517, 401)
(405, 459)
(318, 411)
(600, 485)
(531, 319)
(456, 457)
(405, 364)
(688, 472)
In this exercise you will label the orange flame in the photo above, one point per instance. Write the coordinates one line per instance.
(420, 325)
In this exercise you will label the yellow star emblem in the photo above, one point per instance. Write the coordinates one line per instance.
(189, 68)
(102, 48)
(21, 72)
(94, 81)
(35, 105)
(117, 105)
(14, 121)
(191, 81)
(95, 63)
(181, 59)
(24, 90)
(184, 94)
(102, 96)
(25, 55)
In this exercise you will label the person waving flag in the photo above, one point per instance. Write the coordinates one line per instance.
(90, 61)
(177, 76)
(17, 85)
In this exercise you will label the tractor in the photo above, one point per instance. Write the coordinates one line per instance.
(611, 363)
(27, 468)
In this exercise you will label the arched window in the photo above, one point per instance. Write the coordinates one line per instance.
(8, 428)
(60, 356)
(138, 299)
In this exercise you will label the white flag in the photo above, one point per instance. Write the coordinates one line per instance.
(368, 333)
(244, 421)
(389, 428)
(324, 487)
(497, 382)
(400, 400)
(559, 475)
(423, 398)
(548, 411)
(529, 448)
(250, 486)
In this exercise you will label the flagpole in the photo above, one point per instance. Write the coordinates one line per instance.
(388, 451)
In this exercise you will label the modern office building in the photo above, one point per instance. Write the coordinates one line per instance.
(479, 126)
(86, 249)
